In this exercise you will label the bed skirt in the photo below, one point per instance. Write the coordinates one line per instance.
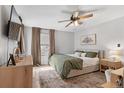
(85, 70)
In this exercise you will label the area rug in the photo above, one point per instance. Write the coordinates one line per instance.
(47, 77)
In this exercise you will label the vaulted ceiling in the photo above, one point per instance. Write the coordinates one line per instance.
(47, 16)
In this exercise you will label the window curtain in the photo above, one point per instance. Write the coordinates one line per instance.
(36, 51)
(52, 41)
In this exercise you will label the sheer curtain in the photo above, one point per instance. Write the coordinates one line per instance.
(45, 45)
(35, 49)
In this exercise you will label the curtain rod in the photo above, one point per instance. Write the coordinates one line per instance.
(45, 28)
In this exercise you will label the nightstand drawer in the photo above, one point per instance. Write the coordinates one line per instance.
(106, 64)
(115, 65)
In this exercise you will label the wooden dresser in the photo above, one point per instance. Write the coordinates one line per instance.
(19, 76)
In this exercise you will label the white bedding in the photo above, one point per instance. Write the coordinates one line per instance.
(87, 61)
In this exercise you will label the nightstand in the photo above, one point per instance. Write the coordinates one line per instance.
(109, 64)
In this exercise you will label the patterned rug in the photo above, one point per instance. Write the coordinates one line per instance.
(47, 77)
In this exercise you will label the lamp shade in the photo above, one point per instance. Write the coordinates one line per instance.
(114, 52)
(115, 55)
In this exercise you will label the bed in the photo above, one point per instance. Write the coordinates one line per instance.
(69, 65)
(89, 65)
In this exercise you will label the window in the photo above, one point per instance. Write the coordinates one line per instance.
(44, 42)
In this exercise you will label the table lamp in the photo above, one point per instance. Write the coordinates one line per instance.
(115, 55)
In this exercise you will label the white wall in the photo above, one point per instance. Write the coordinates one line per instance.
(64, 42)
(28, 39)
(3, 37)
(108, 35)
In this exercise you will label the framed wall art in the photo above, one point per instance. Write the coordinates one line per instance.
(88, 39)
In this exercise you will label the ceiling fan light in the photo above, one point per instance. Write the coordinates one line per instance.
(76, 23)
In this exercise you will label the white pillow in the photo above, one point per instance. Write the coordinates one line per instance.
(83, 54)
(78, 54)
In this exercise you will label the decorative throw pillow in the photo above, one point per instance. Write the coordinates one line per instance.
(83, 54)
(78, 54)
(91, 54)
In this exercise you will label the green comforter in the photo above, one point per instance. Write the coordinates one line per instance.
(63, 64)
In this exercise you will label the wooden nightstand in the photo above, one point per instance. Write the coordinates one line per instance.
(108, 64)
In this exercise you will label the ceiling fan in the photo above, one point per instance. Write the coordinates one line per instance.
(75, 18)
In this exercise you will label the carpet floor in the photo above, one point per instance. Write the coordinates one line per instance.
(46, 77)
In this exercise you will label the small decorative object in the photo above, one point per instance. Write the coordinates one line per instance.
(11, 59)
(88, 39)
(16, 52)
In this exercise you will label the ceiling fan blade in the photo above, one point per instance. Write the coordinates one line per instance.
(68, 24)
(64, 21)
(85, 16)
(87, 11)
